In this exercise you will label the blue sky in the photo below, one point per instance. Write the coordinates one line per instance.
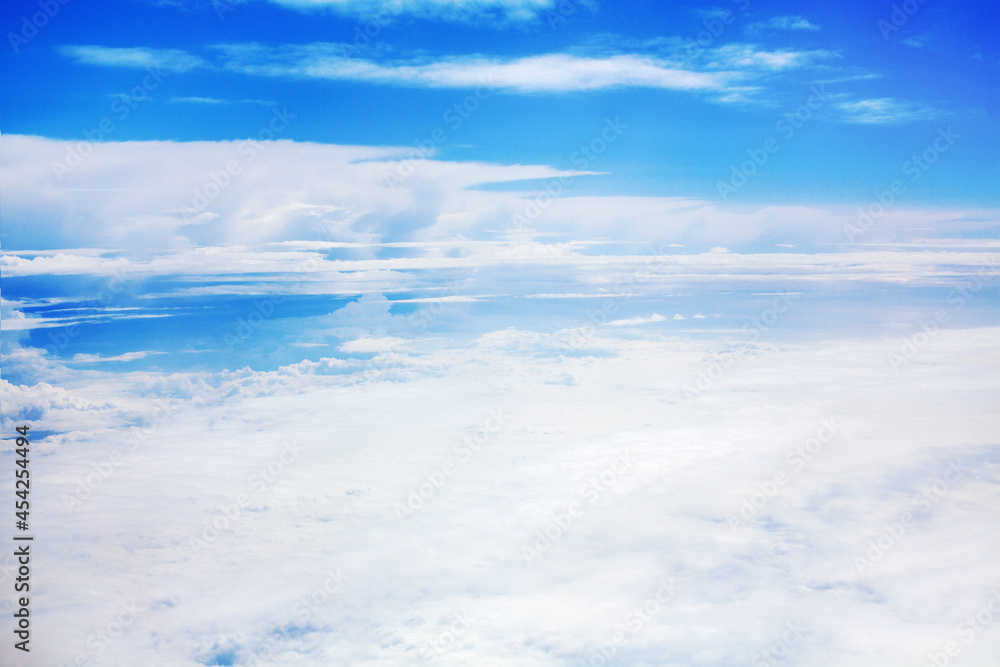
(888, 94)
(460, 343)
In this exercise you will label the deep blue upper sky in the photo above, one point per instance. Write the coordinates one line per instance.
(889, 94)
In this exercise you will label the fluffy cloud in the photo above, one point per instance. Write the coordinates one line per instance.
(326, 195)
(284, 489)
(536, 475)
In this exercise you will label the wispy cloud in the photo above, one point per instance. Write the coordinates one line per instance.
(742, 57)
(655, 317)
(215, 101)
(198, 100)
(172, 60)
(728, 69)
(447, 10)
(542, 73)
(783, 23)
(97, 358)
(885, 110)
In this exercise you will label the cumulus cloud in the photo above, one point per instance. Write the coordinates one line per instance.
(320, 198)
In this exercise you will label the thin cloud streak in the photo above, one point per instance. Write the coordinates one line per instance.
(172, 60)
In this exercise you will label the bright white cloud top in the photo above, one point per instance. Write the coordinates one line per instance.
(485, 476)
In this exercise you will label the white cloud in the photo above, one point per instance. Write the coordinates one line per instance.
(451, 10)
(97, 358)
(542, 73)
(311, 219)
(886, 110)
(171, 60)
(729, 69)
(655, 317)
(246, 589)
(328, 276)
(16, 320)
(783, 23)
(187, 507)
(211, 101)
(751, 57)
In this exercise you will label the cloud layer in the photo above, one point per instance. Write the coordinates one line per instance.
(553, 419)
(285, 558)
